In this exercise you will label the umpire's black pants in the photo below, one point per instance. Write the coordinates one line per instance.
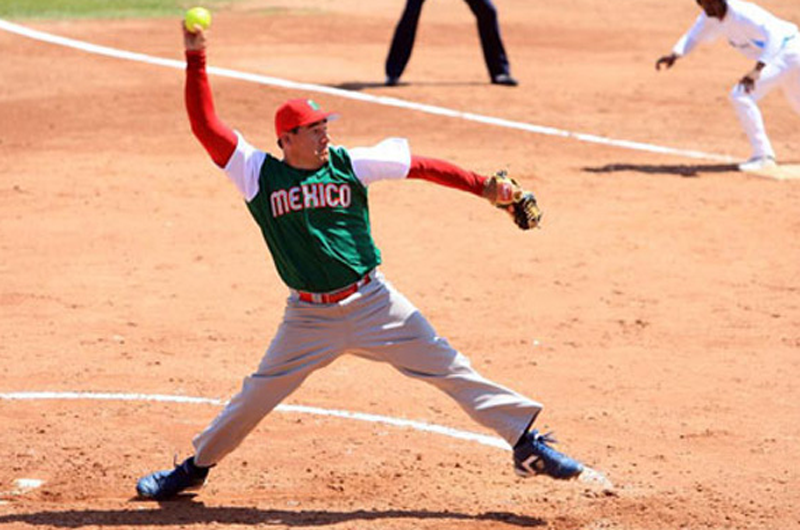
(493, 52)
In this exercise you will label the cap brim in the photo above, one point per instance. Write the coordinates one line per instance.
(330, 116)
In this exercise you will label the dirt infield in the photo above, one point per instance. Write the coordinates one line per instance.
(656, 314)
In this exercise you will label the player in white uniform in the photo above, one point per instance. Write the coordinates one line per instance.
(762, 37)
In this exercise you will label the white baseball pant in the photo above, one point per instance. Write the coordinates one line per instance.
(784, 71)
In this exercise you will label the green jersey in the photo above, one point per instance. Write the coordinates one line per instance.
(316, 222)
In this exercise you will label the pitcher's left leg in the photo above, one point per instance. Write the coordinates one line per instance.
(391, 329)
(388, 327)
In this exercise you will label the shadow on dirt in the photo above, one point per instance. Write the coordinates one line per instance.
(684, 170)
(184, 513)
(357, 86)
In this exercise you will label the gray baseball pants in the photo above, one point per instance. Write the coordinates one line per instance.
(377, 323)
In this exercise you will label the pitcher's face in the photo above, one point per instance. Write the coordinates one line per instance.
(307, 146)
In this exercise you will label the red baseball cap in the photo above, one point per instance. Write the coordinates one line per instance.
(299, 112)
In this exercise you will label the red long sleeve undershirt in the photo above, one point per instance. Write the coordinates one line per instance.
(446, 174)
(219, 140)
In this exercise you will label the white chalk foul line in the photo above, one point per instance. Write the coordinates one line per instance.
(379, 100)
(590, 477)
(298, 409)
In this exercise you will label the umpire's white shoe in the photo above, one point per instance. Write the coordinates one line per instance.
(758, 163)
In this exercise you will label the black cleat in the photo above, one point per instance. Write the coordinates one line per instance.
(163, 485)
(533, 456)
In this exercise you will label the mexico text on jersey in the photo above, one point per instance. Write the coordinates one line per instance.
(312, 195)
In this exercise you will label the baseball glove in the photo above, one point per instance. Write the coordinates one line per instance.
(506, 194)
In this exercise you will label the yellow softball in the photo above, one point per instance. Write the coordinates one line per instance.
(197, 16)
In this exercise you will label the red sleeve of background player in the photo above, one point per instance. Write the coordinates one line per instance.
(446, 174)
(217, 138)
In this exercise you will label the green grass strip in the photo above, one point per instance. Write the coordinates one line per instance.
(100, 9)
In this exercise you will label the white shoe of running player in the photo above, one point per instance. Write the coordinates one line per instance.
(758, 163)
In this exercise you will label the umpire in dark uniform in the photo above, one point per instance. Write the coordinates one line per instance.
(493, 51)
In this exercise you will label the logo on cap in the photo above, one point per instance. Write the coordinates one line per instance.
(298, 112)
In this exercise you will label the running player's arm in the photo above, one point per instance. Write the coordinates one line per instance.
(704, 29)
(768, 40)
